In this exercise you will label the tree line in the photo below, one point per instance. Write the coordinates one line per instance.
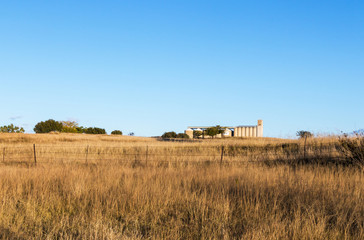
(51, 125)
(11, 129)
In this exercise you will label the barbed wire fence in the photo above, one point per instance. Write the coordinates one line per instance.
(224, 154)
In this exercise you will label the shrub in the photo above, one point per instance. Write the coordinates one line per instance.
(182, 135)
(11, 129)
(81, 129)
(352, 148)
(169, 135)
(69, 130)
(95, 130)
(69, 126)
(117, 132)
(197, 134)
(48, 126)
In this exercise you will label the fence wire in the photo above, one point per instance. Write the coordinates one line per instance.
(229, 153)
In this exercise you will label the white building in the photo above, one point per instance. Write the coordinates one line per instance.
(238, 131)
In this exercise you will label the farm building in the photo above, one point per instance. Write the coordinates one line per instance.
(237, 131)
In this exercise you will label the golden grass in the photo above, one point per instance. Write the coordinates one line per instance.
(191, 197)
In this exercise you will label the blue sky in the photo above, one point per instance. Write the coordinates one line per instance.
(153, 66)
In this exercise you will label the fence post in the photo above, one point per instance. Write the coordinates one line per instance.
(35, 155)
(4, 154)
(222, 155)
(86, 153)
(304, 148)
(146, 156)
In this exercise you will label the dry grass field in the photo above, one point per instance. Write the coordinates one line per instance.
(120, 187)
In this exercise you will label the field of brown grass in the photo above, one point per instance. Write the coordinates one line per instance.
(120, 187)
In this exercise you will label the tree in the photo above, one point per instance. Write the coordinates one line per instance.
(131, 134)
(169, 135)
(81, 129)
(304, 134)
(69, 126)
(95, 130)
(11, 129)
(48, 126)
(197, 134)
(117, 132)
(182, 135)
(213, 131)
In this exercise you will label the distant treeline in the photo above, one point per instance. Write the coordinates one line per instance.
(174, 135)
(65, 126)
(58, 126)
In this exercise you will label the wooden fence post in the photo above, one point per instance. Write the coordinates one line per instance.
(86, 153)
(4, 154)
(222, 155)
(304, 148)
(35, 155)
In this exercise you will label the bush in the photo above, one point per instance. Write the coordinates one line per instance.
(182, 135)
(11, 129)
(169, 135)
(197, 134)
(352, 148)
(81, 129)
(48, 126)
(95, 130)
(69, 130)
(117, 132)
(69, 126)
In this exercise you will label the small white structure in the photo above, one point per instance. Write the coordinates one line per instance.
(228, 132)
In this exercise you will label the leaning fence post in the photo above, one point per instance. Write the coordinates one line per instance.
(4, 154)
(35, 155)
(86, 153)
(222, 155)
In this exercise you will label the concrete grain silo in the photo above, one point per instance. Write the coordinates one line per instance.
(189, 132)
(239, 131)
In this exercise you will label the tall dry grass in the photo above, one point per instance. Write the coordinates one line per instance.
(192, 197)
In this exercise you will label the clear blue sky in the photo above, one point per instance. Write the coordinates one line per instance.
(154, 66)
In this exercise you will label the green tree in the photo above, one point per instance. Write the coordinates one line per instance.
(11, 129)
(117, 132)
(48, 126)
(213, 131)
(81, 129)
(197, 134)
(182, 135)
(95, 130)
(169, 135)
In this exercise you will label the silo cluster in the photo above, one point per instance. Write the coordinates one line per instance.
(238, 131)
(246, 131)
(249, 131)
